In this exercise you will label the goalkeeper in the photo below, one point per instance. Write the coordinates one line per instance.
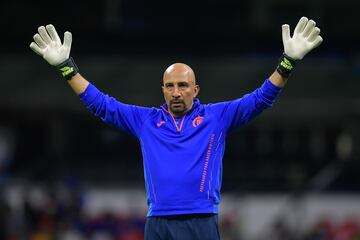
(182, 142)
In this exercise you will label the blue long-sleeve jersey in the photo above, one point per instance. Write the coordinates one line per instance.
(182, 158)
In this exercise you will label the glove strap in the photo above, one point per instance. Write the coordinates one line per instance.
(68, 69)
(285, 66)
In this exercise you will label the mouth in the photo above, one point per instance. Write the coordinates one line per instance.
(177, 104)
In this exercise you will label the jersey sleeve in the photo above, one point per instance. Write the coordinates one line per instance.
(236, 113)
(128, 118)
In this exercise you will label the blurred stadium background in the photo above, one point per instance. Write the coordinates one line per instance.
(293, 173)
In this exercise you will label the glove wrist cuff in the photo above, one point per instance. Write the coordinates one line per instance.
(68, 68)
(286, 65)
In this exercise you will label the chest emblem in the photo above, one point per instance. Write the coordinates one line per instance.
(197, 121)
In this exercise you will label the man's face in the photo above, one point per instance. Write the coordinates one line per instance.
(179, 88)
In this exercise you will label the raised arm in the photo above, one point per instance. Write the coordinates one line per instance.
(128, 118)
(305, 38)
(47, 44)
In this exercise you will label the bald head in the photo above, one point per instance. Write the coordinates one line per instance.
(179, 88)
(179, 70)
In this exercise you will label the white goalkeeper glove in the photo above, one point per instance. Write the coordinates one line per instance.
(305, 38)
(48, 45)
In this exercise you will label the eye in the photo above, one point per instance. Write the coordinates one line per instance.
(168, 86)
(183, 85)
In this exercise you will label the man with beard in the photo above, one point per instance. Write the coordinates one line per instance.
(183, 141)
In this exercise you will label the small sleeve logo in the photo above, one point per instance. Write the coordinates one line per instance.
(160, 123)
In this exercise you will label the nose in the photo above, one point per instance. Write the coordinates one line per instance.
(176, 93)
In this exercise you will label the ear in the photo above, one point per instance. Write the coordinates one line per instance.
(196, 90)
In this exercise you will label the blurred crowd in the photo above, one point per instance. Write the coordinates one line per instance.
(324, 229)
(56, 212)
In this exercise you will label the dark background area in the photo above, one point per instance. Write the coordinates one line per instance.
(309, 140)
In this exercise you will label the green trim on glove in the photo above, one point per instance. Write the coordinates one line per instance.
(68, 69)
(286, 65)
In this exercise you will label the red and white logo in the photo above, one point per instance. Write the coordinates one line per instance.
(197, 121)
(160, 123)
